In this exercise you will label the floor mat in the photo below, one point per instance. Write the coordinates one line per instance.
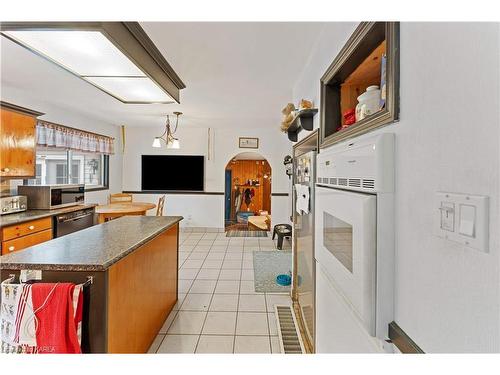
(246, 233)
(236, 226)
(269, 264)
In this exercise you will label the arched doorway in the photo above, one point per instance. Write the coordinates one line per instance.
(247, 192)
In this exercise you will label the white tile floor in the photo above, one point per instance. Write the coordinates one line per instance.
(218, 309)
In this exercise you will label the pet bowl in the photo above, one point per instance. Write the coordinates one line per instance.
(283, 280)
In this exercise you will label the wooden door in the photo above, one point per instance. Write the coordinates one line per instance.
(17, 144)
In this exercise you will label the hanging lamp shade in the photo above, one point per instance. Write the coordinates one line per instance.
(156, 142)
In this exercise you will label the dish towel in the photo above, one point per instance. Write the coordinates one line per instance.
(16, 335)
(302, 199)
(56, 331)
(41, 318)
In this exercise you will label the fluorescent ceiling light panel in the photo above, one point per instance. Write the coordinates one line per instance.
(85, 53)
(116, 57)
(127, 89)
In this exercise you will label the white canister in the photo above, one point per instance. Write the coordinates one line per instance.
(368, 102)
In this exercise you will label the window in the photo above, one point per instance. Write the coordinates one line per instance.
(87, 169)
(337, 238)
(90, 169)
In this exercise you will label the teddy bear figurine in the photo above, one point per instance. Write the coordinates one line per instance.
(305, 104)
(288, 114)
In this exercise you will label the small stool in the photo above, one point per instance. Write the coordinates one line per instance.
(282, 230)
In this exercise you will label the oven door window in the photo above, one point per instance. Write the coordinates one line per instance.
(337, 239)
(56, 197)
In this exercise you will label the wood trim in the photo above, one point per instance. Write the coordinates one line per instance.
(402, 341)
(23, 110)
(185, 192)
(384, 117)
(142, 291)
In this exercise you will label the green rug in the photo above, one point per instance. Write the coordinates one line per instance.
(269, 264)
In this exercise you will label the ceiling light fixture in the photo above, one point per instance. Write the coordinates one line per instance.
(117, 57)
(168, 134)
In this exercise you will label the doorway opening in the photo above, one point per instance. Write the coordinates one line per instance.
(247, 203)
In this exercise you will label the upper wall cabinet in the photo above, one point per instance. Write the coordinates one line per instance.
(17, 141)
(360, 89)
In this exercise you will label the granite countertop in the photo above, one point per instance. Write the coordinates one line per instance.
(91, 249)
(21, 217)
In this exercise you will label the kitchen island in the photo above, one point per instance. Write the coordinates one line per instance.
(133, 264)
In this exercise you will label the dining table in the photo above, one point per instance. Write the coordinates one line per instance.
(113, 210)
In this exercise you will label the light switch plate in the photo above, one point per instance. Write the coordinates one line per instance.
(467, 221)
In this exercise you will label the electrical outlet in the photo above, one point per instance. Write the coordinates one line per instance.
(27, 275)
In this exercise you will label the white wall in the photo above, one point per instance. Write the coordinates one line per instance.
(71, 118)
(448, 139)
(207, 210)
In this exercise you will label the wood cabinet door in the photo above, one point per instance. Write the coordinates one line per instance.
(17, 144)
(26, 241)
(23, 229)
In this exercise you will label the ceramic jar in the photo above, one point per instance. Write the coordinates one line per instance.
(368, 102)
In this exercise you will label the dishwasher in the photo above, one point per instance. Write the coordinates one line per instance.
(73, 221)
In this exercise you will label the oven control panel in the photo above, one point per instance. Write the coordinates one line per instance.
(364, 165)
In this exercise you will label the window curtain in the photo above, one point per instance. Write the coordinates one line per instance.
(49, 134)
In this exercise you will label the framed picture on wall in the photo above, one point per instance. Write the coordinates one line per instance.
(246, 142)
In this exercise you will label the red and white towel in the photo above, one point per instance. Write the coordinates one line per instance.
(41, 318)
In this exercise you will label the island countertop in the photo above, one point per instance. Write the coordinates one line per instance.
(91, 249)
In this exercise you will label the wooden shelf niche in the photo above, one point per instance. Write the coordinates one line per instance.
(358, 66)
(368, 73)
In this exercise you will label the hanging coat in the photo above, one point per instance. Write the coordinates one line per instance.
(237, 200)
(248, 197)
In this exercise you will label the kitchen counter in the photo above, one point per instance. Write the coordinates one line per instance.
(91, 249)
(21, 217)
(132, 263)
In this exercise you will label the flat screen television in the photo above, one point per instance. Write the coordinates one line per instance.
(173, 172)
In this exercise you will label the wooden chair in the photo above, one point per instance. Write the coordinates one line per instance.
(159, 208)
(120, 198)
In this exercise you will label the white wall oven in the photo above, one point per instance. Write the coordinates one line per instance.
(354, 245)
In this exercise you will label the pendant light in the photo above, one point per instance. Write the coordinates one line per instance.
(168, 134)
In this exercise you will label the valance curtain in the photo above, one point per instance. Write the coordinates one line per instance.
(49, 134)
